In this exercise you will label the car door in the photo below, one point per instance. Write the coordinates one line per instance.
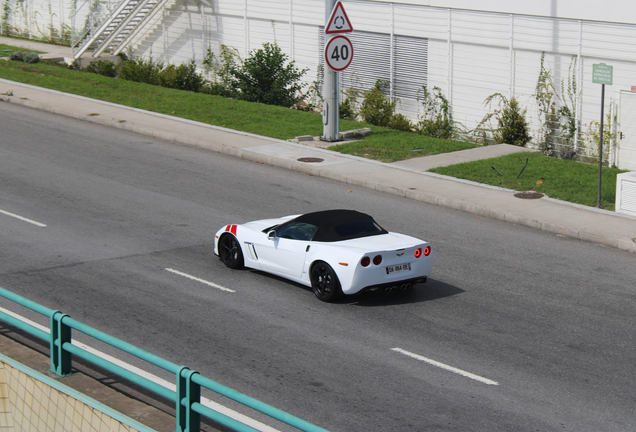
(284, 252)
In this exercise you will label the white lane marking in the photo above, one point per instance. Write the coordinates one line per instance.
(212, 284)
(446, 367)
(170, 386)
(22, 218)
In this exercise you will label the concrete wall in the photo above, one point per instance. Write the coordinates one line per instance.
(31, 401)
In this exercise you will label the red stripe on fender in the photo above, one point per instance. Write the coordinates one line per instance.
(227, 228)
(233, 229)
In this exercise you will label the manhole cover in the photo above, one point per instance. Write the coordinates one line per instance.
(310, 159)
(528, 195)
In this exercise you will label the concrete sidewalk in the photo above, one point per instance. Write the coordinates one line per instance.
(50, 52)
(405, 178)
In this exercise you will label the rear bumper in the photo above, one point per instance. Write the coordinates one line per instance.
(395, 286)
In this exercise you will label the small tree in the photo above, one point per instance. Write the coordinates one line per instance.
(512, 127)
(348, 108)
(376, 107)
(437, 119)
(218, 71)
(267, 77)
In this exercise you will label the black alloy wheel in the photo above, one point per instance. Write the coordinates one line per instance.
(324, 282)
(230, 252)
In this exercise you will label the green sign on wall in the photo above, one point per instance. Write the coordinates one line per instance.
(602, 74)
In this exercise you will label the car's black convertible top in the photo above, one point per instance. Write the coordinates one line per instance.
(338, 225)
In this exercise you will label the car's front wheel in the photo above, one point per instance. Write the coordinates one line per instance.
(324, 282)
(230, 252)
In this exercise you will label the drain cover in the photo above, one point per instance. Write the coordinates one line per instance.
(528, 195)
(310, 159)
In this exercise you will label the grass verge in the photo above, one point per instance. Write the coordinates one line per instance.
(557, 178)
(267, 120)
(6, 50)
(390, 146)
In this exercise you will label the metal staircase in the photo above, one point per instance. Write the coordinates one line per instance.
(111, 27)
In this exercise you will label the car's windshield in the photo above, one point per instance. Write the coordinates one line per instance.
(296, 231)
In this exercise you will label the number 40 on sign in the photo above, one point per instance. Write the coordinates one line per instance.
(339, 53)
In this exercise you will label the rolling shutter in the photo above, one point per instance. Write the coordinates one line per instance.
(372, 62)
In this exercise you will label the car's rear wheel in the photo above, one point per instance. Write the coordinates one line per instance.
(230, 252)
(324, 282)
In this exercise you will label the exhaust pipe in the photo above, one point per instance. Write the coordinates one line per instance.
(404, 287)
(389, 290)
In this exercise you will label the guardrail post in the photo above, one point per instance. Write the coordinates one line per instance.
(188, 393)
(61, 360)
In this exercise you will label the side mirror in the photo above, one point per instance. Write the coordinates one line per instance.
(271, 235)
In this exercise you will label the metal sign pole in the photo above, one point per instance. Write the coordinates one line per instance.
(600, 147)
(330, 114)
(601, 74)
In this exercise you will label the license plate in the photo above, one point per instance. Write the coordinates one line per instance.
(398, 268)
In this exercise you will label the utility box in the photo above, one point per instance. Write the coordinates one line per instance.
(626, 193)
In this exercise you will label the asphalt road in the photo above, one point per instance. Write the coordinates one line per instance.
(516, 330)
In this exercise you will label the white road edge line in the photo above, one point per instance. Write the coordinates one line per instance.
(446, 367)
(212, 284)
(23, 218)
(170, 386)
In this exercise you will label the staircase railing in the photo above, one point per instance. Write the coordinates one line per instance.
(143, 24)
(110, 26)
(86, 20)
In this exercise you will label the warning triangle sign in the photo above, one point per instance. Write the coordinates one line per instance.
(339, 21)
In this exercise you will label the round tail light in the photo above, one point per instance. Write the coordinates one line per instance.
(377, 259)
(427, 251)
(365, 261)
(418, 252)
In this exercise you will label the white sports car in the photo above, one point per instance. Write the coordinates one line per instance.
(334, 251)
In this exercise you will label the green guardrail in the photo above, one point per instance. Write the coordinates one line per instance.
(187, 397)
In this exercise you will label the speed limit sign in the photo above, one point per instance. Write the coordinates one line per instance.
(339, 53)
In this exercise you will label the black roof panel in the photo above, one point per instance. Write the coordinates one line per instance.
(338, 225)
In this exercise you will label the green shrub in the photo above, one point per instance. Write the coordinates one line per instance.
(437, 119)
(401, 122)
(102, 67)
(214, 88)
(512, 127)
(348, 108)
(31, 57)
(222, 82)
(27, 57)
(141, 70)
(265, 77)
(376, 107)
(182, 77)
(17, 56)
